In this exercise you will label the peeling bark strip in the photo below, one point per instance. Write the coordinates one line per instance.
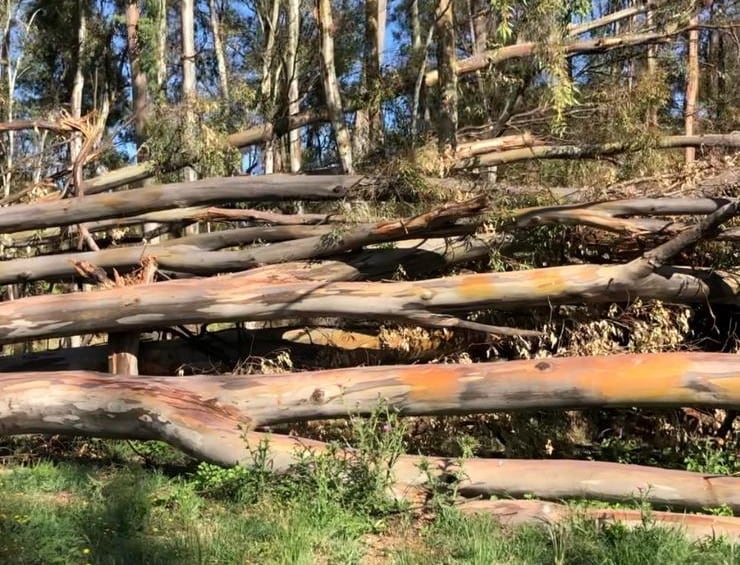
(200, 424)
(176, 195)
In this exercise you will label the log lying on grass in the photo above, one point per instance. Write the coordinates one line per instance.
(538, 513)
(148, 409)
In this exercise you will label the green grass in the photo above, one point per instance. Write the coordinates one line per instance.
(81, 513)
(144, 503)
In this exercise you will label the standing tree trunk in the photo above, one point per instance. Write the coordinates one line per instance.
(268, 84)
(447, 63)
(161, 63)
(692, 84)
(331, 85)
(139, 85)
(124, 346)
(292, 72)
(187, 23)
(368, 131)
(651, 118)
(218, 47)
(78, 84)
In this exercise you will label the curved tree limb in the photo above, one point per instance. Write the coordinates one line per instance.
(144, 408)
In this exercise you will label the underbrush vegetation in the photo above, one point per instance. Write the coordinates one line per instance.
(136, 502)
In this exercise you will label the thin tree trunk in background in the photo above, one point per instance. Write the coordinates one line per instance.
(267, 86)
(124, 346)
(218, 47)
(75, 145)
(367, 133)
(415, 27)
(447, 63)
(652, 66)
(161, 62)
(292, 72)
(78, 84)
(331, 85)
(692, 85)
(188, 71)
(138, 76)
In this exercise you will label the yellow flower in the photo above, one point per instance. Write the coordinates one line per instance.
(86, 551)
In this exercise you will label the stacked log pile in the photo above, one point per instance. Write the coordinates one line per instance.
(312, 269)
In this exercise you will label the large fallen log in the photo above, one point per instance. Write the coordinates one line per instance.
(649, 380)
(539, 513)
(177, 195)
(146, 409)
(429, 302)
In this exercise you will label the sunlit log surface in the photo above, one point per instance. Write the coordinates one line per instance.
(201, 424)
(428, 302)
(184, 194)
(667, 379)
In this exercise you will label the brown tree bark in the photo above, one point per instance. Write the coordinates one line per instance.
(692, 85)
(447, 72)
(139, 86)
(368, 131)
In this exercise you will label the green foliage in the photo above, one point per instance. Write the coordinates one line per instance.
(172, 142)
(714, 458)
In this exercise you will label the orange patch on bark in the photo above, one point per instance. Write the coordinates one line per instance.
(646, 377)
(431, 383)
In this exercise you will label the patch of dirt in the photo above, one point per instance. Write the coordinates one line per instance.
(399, 536)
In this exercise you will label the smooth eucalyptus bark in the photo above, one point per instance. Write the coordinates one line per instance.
(331, 85)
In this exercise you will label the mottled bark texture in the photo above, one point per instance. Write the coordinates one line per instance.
(203, 416)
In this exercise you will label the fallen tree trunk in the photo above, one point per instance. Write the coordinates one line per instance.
(186, 253)
(196, 254)
(594, 151)
(538, 513)
(146, 409)
(429, 303)
(178, 195)
(230, 298)
(646, 380)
